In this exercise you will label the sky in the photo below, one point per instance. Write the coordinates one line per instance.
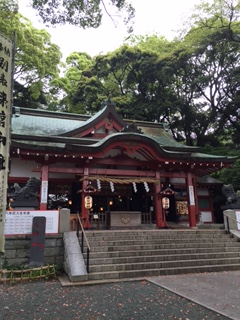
(152, 16)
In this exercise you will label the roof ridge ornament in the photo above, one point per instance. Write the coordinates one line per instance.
(108, 103)
(131, 128)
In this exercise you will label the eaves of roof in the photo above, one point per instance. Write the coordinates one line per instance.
(208, 180)
(210, 157)
(95, 146)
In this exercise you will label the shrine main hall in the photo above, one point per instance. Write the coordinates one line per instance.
(133, 168)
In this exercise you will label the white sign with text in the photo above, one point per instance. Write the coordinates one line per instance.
(20, 221)
(238, 219)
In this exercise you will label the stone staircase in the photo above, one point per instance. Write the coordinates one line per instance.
(118, 255)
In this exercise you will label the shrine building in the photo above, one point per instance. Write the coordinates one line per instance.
(133, 168)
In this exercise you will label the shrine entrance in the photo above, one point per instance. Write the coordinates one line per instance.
(124, 201)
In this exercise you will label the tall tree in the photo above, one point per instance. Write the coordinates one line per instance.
(214, 45)
(120, 75)
(66, 86)
(83, 13)
(37, 60)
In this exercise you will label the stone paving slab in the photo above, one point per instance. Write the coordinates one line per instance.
(218, 291)
(132, 300)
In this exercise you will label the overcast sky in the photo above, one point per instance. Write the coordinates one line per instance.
(161, 16)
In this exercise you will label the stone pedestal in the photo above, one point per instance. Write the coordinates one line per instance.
(64, 220)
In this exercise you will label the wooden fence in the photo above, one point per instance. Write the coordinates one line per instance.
(12, 275)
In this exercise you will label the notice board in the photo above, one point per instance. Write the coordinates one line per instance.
(20, 221)
(238, 219)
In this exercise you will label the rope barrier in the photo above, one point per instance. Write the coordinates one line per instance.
(121, 181)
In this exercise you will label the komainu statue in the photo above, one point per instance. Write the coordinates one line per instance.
(231, 196)
(28, 193)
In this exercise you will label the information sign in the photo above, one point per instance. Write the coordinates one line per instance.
(238, 219)
(20, 221)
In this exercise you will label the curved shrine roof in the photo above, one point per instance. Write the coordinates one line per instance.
(32, 125)
(64, 131)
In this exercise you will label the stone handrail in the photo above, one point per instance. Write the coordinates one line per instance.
(84, 237)
(232, 219)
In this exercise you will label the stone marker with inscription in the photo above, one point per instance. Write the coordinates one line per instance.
(37, 241)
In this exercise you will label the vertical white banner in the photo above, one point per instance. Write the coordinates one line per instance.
(191, 196)
(44, 192)
(6, 65)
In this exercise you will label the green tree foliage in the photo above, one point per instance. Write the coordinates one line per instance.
(227, 175)
(214, 42)
(232, 175)
(83, 13)
(36, 58)
(129, 76)
(7, 6)
(66, 87)
(122, 75)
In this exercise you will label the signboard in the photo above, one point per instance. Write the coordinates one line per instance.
(182, 207)
(238, 219)
(20, 221)
(191, 196)
(6, 65)
(37, 241)
(165, 203)
(44, 192)
(88, 202)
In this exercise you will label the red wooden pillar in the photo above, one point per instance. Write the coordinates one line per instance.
(191, 201)
(159, 214)
(197, 212)
(44, 188)
(85, 212)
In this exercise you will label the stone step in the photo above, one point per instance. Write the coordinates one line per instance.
(155, 231)
(133, 242)
(155, 235)
(135, 253)
(112, 254)
(158, 272)
(161, 246)
(162, 264)
(157, 258)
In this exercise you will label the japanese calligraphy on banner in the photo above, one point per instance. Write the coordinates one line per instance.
(191, 196)
(6, 64)
(44, 192)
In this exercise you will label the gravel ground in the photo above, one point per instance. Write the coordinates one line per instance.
(45, 300)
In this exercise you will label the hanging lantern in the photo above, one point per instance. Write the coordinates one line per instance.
(165, 203)
(88, 202)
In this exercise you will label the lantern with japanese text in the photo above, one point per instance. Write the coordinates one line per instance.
(165, 203)
(88, 202)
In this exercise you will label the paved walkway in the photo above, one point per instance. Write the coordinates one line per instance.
(212, 296)
(219, 291)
